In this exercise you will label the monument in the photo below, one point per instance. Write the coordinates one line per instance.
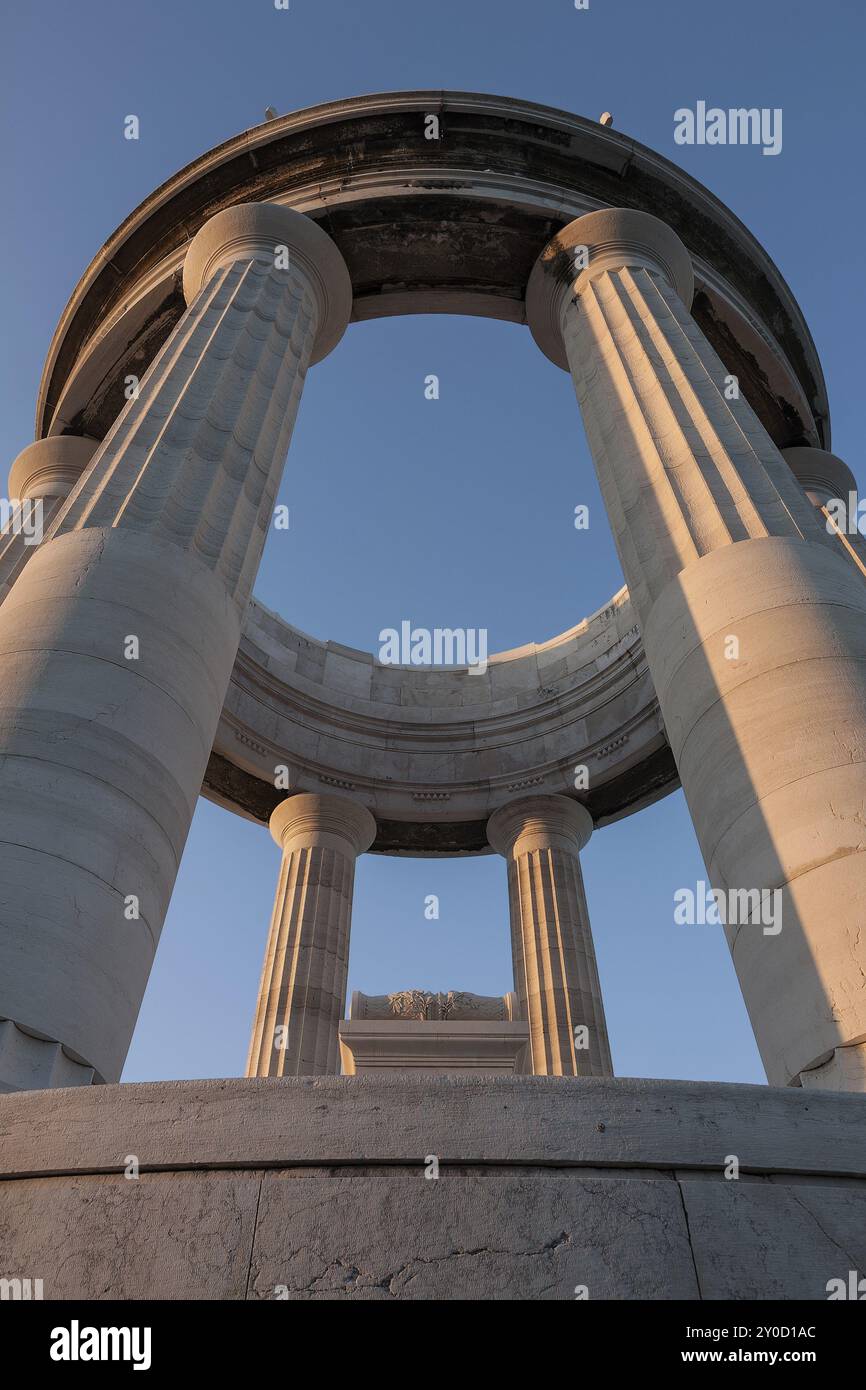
(472, 1147)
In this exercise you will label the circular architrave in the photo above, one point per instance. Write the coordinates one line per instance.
(451, 225)
(434, 752)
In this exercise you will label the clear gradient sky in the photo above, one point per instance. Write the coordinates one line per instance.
(453, 513)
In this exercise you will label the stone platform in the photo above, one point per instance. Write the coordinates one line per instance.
(316, 1188)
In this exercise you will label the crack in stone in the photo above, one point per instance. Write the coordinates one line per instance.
(689, 1238)
(826, 1234)
(253, 1236)
(388, 1281)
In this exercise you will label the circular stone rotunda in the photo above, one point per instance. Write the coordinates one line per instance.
(429, 1146)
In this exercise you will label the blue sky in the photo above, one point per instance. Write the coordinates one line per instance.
(469, 500)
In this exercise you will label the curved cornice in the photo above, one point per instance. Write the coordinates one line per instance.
(451, 225)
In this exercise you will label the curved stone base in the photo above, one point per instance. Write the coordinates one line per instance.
(317, 1189)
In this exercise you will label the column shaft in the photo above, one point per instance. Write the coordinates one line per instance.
(302, 995)
(754, 624)
(555, 971)
(103, 741)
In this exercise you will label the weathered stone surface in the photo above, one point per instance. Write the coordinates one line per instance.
(540, 1121)
(470, 1236)
(368, 1233)
(544, 1184)
(772, 1239)
(162, 1235)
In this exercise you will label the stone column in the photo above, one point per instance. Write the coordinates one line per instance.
(825, 478)
(753, 622)
(555, 972)
(302, 995)
(118, 639)
(42, 475)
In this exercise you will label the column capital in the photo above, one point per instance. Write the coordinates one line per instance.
(253, 231)
(539, 822)
(308, 819)
(51, 467)
(820, 474)
(614, 238)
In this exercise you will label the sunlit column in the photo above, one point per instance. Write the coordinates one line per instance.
(555, 971)
(302, 995)
(754, 624)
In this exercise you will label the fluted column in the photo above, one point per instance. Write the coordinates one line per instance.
(753, 621)
(42, 476)
(555, 971)
(302, 995)
(118, 639)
